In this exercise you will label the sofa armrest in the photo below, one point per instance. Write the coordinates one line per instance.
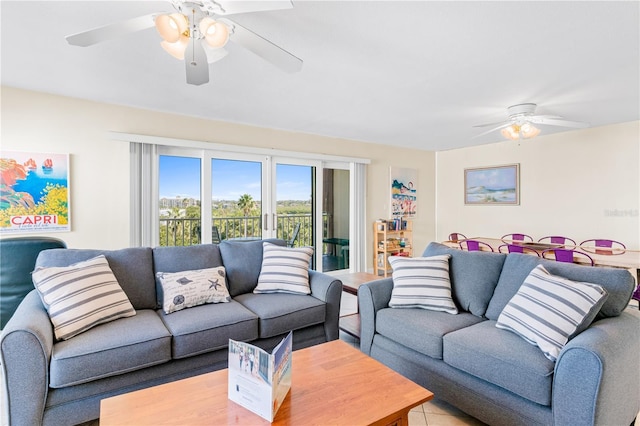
(597, 375)
(25, 350)
(329, 290)
(372, 297)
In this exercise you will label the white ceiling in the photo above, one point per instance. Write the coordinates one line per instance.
(415, 74)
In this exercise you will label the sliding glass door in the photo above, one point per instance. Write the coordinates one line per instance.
(207, 196)
(236, 198)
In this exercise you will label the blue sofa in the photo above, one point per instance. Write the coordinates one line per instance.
(62, 382)
(494, 374)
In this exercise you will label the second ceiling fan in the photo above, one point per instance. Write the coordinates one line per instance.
(197, 33)
(522, 118)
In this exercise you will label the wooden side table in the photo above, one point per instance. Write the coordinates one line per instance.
(350, 324)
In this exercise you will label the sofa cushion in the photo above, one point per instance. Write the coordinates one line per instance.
(176, 259)
(118, 347)
(186, 289)
(422, 282)
(502, 358)
(243, 260)
(81, 296)
(420, 329)
(474, 276)
(284, 270)
(547, 310)
(207, 328)
(133, 268)
(280, 313)
(617, 282)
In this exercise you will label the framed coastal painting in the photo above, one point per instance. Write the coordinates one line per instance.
(492, 185)
(404, 192)
(34, 192)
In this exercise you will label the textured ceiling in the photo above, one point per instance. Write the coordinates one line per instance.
(416, 74)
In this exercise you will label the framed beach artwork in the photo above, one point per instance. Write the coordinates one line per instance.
(492, 185)
(404, 192)
(34, 192)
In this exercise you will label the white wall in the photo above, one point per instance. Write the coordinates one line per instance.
(33, 121)
(582, 184)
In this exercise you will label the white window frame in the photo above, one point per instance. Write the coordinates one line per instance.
(145, 151)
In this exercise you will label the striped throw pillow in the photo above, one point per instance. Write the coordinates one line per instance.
(81, 296)
(547, 310)
(284, 270)
(422, 282)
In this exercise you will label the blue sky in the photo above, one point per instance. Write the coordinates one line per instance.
(180, 176)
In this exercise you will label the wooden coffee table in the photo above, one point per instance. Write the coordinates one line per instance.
(332, 384)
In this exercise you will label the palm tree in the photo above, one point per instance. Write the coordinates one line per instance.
(246, 204)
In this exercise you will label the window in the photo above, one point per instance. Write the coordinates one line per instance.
(184, 195)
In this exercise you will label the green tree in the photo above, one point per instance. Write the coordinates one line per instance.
(246, 204)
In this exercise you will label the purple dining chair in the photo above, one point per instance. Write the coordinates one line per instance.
(474, 245)
(557, 239)
(457, 237)
(512, 248)
(636, 295)
(603, 246)
(516, 237)
(569, 256)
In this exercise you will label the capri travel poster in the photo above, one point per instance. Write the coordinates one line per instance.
(34, 192)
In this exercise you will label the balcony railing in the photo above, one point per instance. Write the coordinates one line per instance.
(186, 232)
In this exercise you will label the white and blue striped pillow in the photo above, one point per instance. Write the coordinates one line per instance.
(81, 296)
(547, 310)
(422, 282)
(284, 270)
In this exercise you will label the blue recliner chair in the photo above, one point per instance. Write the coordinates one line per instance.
(17, 260)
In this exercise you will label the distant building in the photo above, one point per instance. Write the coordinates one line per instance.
(181, 202)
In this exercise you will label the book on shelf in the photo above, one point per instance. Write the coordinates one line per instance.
(259, 381)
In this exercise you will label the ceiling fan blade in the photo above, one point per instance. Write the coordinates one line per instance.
(111, 31)
(230, 7)
(195, 60)
(264, 48)
(491, 124)
(502, 126)
(558, 122)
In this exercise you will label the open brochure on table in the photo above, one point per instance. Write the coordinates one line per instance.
(258, 380)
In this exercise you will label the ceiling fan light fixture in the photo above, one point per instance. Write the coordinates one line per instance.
(171, 27)
(512, 132)
(516, 131)
(215, 33)
(176, 49)
(529, 131)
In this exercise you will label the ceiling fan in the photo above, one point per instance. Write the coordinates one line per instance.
(198, 31)
(520, 123)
